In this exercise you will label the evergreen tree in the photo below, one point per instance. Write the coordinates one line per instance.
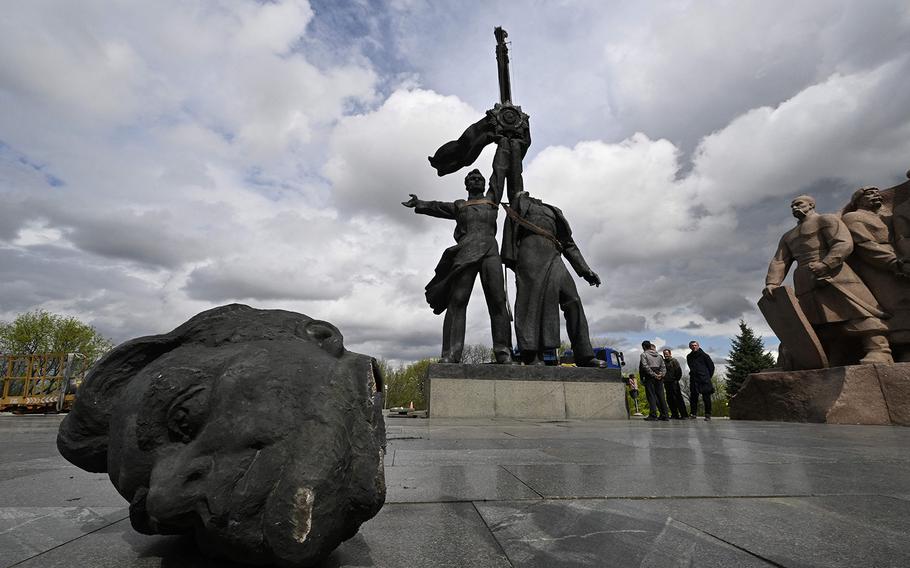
(747, 355)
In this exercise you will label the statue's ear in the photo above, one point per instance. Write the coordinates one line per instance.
(83, 435)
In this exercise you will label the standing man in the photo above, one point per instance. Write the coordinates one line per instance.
(671, 386)
(701, 369)
(476, 252)
(830, 294)
(651, 368)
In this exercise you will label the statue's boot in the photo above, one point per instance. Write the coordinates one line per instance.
(592, 362)
(877, 350)
(504, 358)
(533, 358)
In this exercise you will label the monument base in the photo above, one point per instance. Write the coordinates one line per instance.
(514, 391)
(858, 394)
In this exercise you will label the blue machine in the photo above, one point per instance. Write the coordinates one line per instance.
(549, 356)
(612, 357)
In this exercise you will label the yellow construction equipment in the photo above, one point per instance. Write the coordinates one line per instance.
(41, 382)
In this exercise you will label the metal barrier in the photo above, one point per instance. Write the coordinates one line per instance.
(40, 382)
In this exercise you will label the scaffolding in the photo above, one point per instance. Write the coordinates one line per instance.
(40, 382)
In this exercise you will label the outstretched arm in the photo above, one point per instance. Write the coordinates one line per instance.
(441, 209)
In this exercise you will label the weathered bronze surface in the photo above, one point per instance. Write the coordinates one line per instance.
(536, 236)
(256, 431)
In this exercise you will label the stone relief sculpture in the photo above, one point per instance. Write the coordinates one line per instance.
(256, 431)
(876, 262)
(832, 297)
(901, 219)
(852, 282)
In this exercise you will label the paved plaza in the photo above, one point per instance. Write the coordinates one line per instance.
(505, 493)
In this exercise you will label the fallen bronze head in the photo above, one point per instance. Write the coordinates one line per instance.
(254, 430)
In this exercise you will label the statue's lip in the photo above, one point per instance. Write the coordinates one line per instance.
(145, 523)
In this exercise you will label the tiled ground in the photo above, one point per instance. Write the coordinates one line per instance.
(523, 493)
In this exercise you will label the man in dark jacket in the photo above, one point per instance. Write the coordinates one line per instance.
(652, 369)
(671, 385)
(701, 369)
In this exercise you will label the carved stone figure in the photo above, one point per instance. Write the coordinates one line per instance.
(877, 264)
(901, 220)
(476, 252)
(833, 298)
(254, 430)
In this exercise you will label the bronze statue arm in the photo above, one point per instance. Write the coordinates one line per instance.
(573, 255)
(440, 209)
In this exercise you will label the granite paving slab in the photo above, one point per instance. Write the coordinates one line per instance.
(825, 532)
(574, 481)
(553, 534)
(722, 493)
(28, 531)
(471, 457)
(66, 486)
(444, 535)
(415, 484)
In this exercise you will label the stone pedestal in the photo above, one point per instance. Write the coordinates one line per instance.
(858, 394)
(512, 391)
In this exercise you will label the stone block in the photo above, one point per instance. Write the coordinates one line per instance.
(462, 398)
(856, 394)
(595, 400)
(512, 391)
(530, 399)
(861, 400)
(895, 383)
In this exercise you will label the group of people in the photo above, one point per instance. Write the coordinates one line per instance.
(661, 373)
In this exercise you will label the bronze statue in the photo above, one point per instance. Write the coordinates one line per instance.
(877, 264)
(834, 300)
(476, 252)
(536, 236)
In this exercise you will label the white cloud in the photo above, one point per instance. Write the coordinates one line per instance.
(168, 156)
(848, 126)
(378, 158)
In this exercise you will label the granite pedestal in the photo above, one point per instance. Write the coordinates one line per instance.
(519, 391)
(858, 394)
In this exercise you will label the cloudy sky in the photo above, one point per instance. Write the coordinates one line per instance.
(161, 158)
